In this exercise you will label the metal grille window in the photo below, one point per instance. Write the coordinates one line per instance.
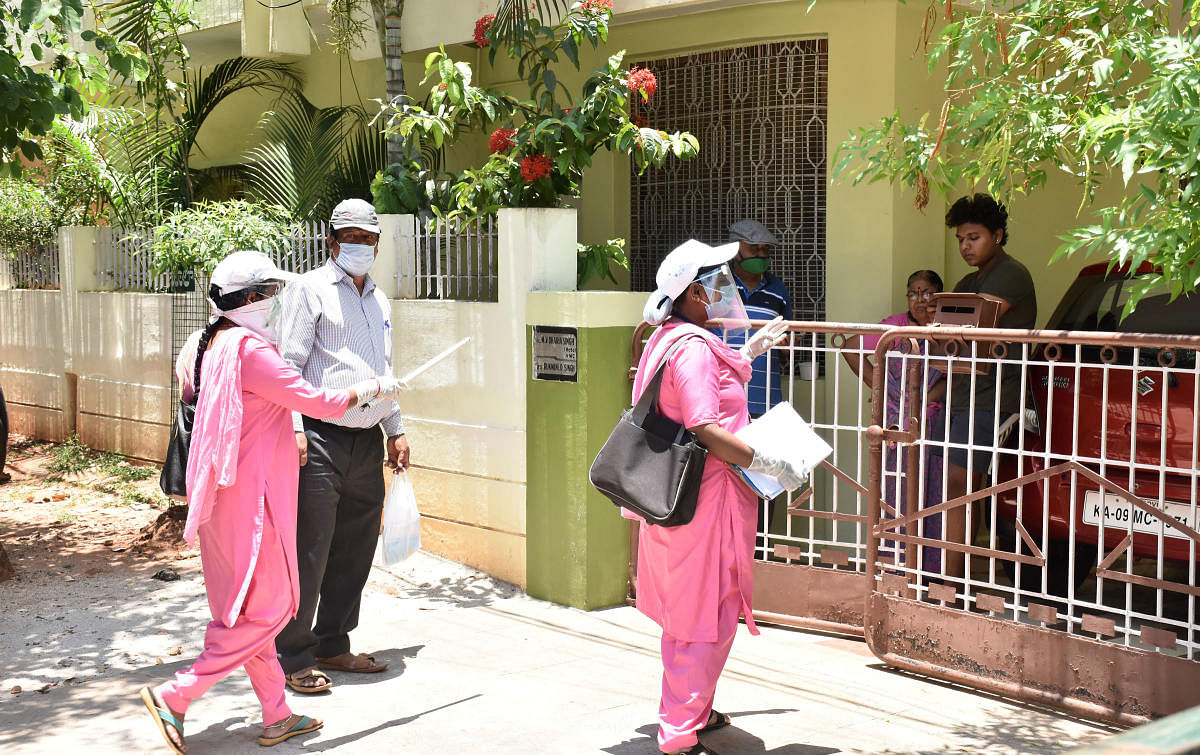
(760, 114)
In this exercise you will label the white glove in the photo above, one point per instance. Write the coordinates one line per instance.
(367, 389)
(766, 337)
(788, 476)
(390, 387)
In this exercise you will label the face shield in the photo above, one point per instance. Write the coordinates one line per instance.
(724, 302)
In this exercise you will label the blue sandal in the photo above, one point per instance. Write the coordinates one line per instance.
(163, 717)
(303, 725)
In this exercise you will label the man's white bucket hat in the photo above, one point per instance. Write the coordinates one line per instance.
(679, 270)
(354, 213)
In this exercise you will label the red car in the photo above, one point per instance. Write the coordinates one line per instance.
(1108, 428)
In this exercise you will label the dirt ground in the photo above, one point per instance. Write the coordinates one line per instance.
(80, 542)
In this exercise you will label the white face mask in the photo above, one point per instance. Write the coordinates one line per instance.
(355, 259)
(258, 316)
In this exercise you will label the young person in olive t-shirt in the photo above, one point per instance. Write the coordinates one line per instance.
(981, 225)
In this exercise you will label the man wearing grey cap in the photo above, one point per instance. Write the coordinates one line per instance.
(336, 327)
(765, 297)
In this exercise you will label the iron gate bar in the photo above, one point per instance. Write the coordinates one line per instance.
(1125, 684)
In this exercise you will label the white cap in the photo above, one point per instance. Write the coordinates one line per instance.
(354, 213)
(678, 271)
(246, 268)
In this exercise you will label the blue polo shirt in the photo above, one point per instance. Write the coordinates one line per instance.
(769, 300)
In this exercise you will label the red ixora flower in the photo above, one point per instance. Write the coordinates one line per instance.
(534, 167)
(502, 140)
(590, 6)
(642, 80)
(481, 29)
(639, 120)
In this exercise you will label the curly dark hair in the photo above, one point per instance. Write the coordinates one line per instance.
(982, 209)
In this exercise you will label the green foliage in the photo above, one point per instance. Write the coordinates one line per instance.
(153, 27)
(395, 191)
(26, 220)
(70, 177)
(72, 456)
(549, 122)
(43, 77)
(1088, 87)
(596, 260)
(311, 158)
(199, 237)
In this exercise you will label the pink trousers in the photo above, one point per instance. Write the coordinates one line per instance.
(250, 642)
(691, 671)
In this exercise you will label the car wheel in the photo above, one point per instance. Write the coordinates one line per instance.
(1059, 571)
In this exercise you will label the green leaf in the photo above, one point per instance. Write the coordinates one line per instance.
(570, 48)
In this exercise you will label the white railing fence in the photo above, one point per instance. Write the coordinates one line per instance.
(455, 260)
(30, 268)
(124, 264)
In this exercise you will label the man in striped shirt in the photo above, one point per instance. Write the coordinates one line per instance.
(336, 329)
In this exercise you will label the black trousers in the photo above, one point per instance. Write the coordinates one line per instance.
(337, 525)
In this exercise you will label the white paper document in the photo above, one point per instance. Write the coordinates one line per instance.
(783, 433)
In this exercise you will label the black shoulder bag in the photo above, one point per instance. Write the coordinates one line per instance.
(649, 464)
(173, 479)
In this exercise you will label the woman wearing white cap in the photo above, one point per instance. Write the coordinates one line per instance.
(241, 481)
(695, 580)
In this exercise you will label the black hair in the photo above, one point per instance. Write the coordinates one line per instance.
(982, 209)
(229, 301)
(933, 278)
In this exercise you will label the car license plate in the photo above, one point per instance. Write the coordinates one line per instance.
(1118, 513)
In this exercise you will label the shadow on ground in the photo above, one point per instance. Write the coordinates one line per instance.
(731, 740)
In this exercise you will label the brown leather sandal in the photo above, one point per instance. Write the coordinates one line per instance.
(294, 681)
(362, 664)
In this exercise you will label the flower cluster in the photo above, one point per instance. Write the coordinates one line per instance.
(502, 140)
(482, 26)
(534, 167)
(639, 120)
(642, 80)
(596, 6)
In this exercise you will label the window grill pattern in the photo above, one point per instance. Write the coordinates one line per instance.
(760, 114)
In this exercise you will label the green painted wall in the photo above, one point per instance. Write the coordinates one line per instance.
(577, 544)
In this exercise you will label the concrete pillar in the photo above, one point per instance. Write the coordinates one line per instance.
(577, 543)
(395, 258)
(270, 30)
(78, 255)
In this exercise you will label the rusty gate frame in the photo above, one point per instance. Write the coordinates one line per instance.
(1097, 679)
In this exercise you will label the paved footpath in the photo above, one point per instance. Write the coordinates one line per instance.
(479, 667)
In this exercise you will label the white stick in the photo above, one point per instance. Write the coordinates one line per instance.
(407, 379)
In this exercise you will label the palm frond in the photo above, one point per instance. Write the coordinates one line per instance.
(304, 151)
(512, 16)
(205, 91)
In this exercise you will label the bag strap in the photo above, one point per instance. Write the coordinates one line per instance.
(649, 398)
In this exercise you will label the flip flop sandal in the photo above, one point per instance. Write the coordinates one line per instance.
(162, 718)
(293, 681)
(716, 720)
(303, 725)
(371, 666)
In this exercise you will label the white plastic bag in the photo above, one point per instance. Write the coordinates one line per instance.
(401, 534)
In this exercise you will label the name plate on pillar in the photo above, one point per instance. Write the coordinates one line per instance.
(555, 353)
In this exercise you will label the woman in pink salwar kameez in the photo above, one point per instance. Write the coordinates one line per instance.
(241, 480)
(696, 580)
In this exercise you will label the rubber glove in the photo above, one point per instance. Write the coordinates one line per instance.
(788, 475)
(766, 337)
(366, 390)
(390, 387)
